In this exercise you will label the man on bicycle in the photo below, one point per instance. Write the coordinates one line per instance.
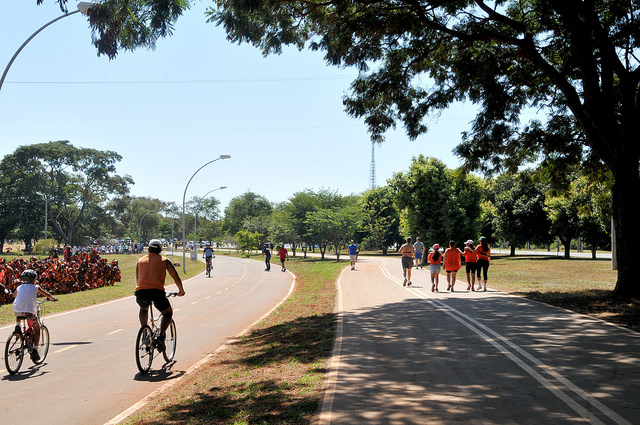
(208, 254)
(151, 272)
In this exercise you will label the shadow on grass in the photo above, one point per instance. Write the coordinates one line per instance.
(593, 302)
(268, 378)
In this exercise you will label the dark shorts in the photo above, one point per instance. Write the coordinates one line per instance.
(418, 255)
(407, 262)
(144, 298)
(471, 267)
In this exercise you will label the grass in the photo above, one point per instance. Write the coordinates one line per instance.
(274, 374)
(121, 289)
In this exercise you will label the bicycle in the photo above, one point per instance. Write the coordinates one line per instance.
(22, 340)
(147, 341)
(209, 265)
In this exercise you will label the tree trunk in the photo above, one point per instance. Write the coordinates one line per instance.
(513, 251)
(566, 243)
(627, 229)
(593, 253)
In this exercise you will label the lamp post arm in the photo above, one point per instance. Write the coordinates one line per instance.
(6, 70)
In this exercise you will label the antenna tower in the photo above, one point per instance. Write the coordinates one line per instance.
(372, 173)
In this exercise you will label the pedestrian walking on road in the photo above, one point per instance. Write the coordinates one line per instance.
(418, 247)
(353, 254)
(470, 259)
(284, 254)
(435, 262)
(484, 258)
(266, 254)
(452, 263)
(407, 253)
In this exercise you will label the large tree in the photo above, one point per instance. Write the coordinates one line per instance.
(75, 182)
(571, 56)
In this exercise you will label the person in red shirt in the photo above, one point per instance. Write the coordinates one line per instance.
(284, 254)
(435, 262)
(452, 263)
(470, 258)
(484, 257)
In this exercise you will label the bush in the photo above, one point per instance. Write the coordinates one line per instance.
(44, 246)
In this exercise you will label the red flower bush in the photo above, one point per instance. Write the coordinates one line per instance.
(72, 273)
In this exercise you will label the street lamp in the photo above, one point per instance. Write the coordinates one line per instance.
(140, 227)
(83, 7)
(184, 236)
(195, 225)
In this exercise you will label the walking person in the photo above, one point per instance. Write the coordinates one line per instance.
(435, 262)
(407, 253)
(470, 259)
(484, 258)
(266, 254)
(353, 254)
(418, 247)
(283, 254)
(452, 263)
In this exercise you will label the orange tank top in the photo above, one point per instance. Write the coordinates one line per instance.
(435, 262)
(151, 272)
(470, 256)
(452, 262)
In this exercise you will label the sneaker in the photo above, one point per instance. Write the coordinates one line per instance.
(160, 345)
(405, 282)
(34, 355)
(409, 283)
(433, 286)
(448, 286)
(479, 287)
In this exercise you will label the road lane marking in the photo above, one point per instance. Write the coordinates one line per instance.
(115, 332)
(492, 337)
(64, 349)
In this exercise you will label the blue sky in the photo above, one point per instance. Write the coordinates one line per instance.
(195, 97)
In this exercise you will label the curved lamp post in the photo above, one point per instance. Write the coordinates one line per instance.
(83, 7)
(140, 226)
(195, 226)
(184, 236)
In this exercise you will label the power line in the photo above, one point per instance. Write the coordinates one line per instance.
(216, 81)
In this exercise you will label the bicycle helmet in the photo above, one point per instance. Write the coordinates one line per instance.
(28, 275)
(155, 244)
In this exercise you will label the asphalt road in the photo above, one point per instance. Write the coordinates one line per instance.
(90, 375)
(405, 355)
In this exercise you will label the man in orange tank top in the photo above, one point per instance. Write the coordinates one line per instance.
(151, 272)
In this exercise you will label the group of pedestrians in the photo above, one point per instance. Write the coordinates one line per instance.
(476, 259)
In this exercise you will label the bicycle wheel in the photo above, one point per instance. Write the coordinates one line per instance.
(208, 270)
(14, 353)
(144, 349)
(43, 345)
(170, 342)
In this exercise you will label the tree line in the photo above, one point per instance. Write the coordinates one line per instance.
(77, 195)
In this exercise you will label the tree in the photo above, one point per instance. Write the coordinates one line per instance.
(246, 206)
(439, 204)
(520, 215)
(380, 219)
(333, 227)
(73, 181)
(572, 57)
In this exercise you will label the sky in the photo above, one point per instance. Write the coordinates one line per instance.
(171, 110)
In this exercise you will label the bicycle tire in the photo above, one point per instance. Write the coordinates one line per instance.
(43, 344)
(170, 342)
(209, 267)
(14, 353)
(144, 349)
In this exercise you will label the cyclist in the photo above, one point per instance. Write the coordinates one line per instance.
(151, 272)
(25, 305)
(208, 254)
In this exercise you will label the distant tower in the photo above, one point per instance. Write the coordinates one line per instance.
(372, 173)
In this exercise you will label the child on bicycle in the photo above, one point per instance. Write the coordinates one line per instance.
(25, 305)
(209, 253)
